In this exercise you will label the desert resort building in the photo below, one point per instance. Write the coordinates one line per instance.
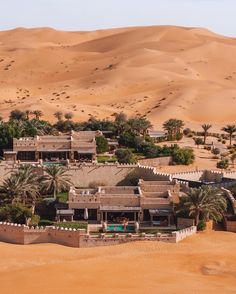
(79, 146)
(150, 202)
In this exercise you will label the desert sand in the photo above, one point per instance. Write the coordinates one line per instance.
(205, 263)
(159, 71)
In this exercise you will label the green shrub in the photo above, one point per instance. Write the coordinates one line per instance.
(215, 151)
(201, 225)
(102, 144)
(198, 141)
(125, 156)
(72, 225)
(187, 132)
(35, 219)
(223, 164)
(183, 156)
(45, 222)
(16, 213)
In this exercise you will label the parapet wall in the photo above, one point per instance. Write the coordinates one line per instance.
(112, 174)
(82, 175)
(21, 234)
(156, 162)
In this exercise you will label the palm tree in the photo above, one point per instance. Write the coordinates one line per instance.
(38, 114)
(206, 127)
(139, 125)
(230, 129)
(27, 113)
(68, 115)
(120, 122)
(21, 187)
(29, 180)
(56, 179)
(10, 190)
(58, 115)
(173, 127)
(205, 202)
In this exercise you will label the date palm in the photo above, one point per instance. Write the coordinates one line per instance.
(38, 114)
(173, 127)
(10, 190)
(56, 179)
(21, 187)
(205, 202)
(58, 115)
(205, 128)
(230, 129)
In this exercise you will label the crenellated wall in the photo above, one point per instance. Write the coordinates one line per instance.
(21, 234)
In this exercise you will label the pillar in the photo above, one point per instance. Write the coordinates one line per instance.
(168, 220)
(37, 156)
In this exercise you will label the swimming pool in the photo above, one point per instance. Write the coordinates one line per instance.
(120, 228)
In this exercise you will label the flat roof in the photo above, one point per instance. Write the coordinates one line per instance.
(120, 208)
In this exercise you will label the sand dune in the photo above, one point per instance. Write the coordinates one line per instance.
(153, 71)
(205, 263)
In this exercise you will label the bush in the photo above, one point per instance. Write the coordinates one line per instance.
(201, 226)
(215, 151)
(102, 144)
(34, 220)
(223, 164)
(187, 132)
(45, 222)
(16, 213)
(223, 142)
(125, 156)
(198, 141)
(183, 156)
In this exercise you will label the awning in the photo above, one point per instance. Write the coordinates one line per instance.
(65, 212)
(160, 212)
(120, 208)
(53, 150)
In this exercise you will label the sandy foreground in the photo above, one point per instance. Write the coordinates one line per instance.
(205, 263)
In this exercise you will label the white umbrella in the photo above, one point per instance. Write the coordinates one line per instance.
(86, 213)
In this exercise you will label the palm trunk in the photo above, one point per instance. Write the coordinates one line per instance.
(230, 140)
(197, 218)
(205, 136)
(55, 193)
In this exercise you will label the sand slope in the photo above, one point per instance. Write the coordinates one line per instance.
(205, 263)
(154, 71)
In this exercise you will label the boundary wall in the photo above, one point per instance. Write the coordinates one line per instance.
(21, 234)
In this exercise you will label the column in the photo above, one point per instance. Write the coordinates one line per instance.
(168, 220)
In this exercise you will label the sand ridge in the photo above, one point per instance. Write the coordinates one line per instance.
(200, 264)
(153, 71)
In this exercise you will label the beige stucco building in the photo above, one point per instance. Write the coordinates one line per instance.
(148, 202)
(74, 146)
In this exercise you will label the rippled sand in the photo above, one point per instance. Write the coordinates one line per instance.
(205, 263)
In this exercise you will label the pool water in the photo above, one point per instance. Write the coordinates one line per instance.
(53, 163)
(120, 228)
